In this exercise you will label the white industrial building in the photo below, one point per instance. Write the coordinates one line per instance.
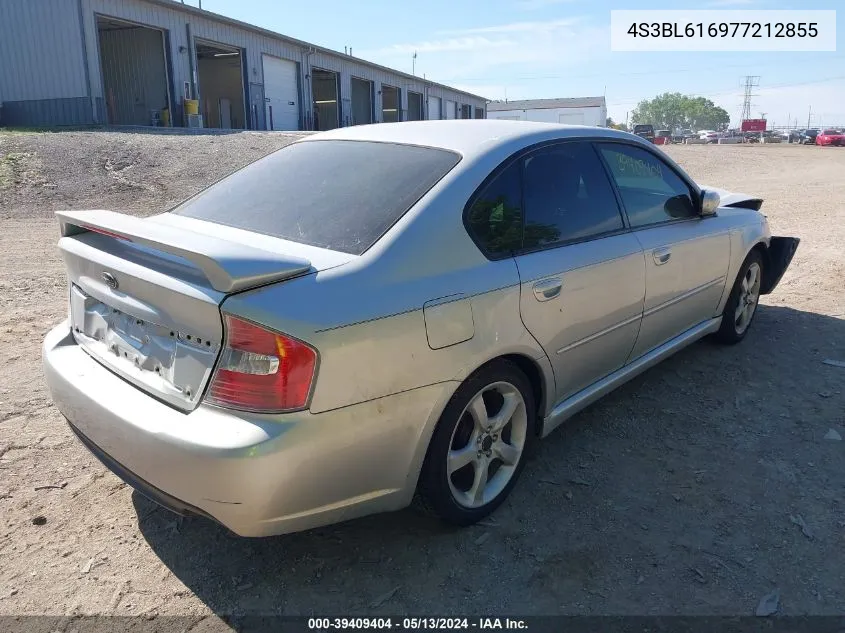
(137, 62)
(575, 111)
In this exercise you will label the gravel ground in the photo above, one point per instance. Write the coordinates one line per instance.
(697, 488)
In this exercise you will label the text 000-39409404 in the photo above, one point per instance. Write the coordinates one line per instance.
(416, 623)
(713, 30)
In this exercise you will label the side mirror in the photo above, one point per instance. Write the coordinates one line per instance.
(710, 201)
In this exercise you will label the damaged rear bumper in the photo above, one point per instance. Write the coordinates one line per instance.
(779, 256)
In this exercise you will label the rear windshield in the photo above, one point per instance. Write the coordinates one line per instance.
(831, 132)
(340, 195)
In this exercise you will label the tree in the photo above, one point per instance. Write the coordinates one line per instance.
(674, 111)
(616, 126)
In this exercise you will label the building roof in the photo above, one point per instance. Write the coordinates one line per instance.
(187, 8)
(469, 137)
(544, 104)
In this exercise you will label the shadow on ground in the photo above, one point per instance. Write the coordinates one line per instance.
(681, 488)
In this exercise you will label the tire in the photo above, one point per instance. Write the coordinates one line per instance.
(462, 447)
(735, 324)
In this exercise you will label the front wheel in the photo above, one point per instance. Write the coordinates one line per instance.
(742, 302)
(479, 447)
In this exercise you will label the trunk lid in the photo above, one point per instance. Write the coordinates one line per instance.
(145, 294)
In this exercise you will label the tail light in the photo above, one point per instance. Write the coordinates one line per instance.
(261, 370)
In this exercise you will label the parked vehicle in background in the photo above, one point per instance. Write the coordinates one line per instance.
(808, 137)
(663, 137)
(831, 137)
(678, 136)
(303, 343)
(645, 131)
(709, 135)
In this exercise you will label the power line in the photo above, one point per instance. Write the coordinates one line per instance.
(733, 92)
(669, 71)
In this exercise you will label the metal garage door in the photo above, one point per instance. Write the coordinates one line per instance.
(434, 108)
(281, 97)
(451, 110)
(362, 101)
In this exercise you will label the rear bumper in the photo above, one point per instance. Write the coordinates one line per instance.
(256, 474)
(779, 255)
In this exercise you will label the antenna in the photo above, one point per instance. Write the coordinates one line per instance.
(414, 64)
(751, 82)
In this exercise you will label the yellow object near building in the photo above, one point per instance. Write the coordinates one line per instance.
(192, 106)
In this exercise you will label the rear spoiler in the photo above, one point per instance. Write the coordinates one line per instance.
(228, 266)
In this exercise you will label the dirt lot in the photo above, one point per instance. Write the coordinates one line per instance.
(684, 492)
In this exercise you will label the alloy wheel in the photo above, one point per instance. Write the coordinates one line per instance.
(487, 444)
(749, 295)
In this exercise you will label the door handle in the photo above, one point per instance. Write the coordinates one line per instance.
(661, 255)
(547, 288)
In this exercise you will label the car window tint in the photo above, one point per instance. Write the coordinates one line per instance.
(567, 196)
(495, 217)
(340, 195)
(651, 191)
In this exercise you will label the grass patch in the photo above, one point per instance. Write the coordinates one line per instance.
(18, 131)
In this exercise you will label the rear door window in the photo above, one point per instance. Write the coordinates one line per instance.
(567, 196)
(339, 195)
(494, 219)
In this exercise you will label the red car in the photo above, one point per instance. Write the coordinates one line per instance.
(831, 137)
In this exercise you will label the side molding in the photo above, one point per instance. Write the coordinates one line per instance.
(573, 404)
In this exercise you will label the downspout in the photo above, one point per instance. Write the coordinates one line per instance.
(191, 66)
(308, 92)
(86, 67)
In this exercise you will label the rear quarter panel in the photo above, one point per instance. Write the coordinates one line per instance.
(366, 317)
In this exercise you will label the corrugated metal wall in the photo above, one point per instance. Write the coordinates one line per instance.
(40, 50)
(42, 64)
(255, 44)
(43, 57)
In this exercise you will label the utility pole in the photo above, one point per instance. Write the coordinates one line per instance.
(809, 116)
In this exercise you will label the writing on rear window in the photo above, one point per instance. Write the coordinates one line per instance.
(339, 195)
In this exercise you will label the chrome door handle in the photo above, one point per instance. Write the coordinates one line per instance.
(661, 255)
(547, 289)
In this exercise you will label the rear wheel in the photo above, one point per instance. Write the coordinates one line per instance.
(479, 447)
(742, 302)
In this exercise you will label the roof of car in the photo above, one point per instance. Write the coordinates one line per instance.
(467, 136)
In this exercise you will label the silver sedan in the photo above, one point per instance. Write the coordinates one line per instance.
(393, 311)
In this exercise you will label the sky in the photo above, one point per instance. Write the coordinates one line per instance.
(527, 49)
